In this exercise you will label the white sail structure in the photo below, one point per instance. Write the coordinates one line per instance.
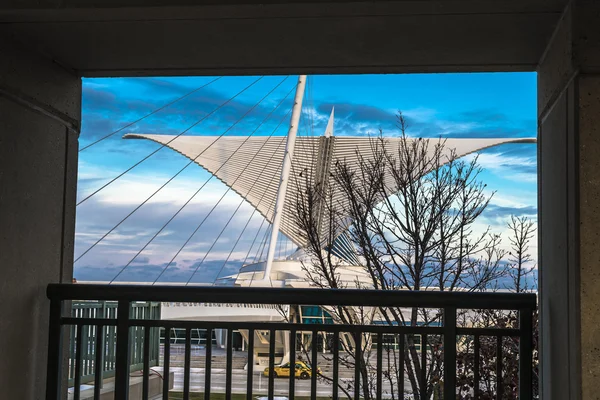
(251, 166)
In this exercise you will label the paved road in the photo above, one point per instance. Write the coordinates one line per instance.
(260, 383)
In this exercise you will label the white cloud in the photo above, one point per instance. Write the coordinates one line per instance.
(497, 161)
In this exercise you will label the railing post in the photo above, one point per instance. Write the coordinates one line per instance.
(228, 371)
(208, 363)
(271, 364)
(292, 383)
(250, 365)
(336, 362)
(357, 363)
(99, 361)
(122, 357)
(379, 371)
(55, 342)
(449, 353)
(314, 364)
(166, 364)
(525, 354)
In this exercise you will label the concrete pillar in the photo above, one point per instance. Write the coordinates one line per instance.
(40, 108)
(569, 167)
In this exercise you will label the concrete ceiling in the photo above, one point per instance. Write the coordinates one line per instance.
(183, 37)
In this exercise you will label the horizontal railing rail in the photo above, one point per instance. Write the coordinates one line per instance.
(446, 336)
(330, 297)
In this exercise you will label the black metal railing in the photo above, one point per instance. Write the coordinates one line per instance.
(448, 332)
(89, 338)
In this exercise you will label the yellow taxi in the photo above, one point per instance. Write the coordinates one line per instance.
(303, 370)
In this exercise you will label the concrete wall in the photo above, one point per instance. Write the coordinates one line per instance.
(569, 164)
(39, 119)
(589, 231)
(559, 270)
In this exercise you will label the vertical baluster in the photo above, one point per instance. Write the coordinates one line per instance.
(208, 363)
(449, 353)
(54, 363)
(379, 364)
(271, 363)
(250, 375)
(92, 333)
(72, 352)
(525, 354)
(187, 364)
(146, 372)
(401, 365)
(423, 389)
(90, 344)
(314, 365)
(85, 345)
(499, 386)
(139, 340)
(98, 362)
(166, 363)
(357, 363)
(155, 344)
(228, 381)
(291, 392)
(476, 367)
(122, 356)
(111, 343)
(336, 364)
(78, 359)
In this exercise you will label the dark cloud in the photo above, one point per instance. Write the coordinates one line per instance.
(104, 112)
(142, 260)
(156, 84)
(494, 211)
(205, 272)
(357, 112)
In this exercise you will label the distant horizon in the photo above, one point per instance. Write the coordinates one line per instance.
(436, 105)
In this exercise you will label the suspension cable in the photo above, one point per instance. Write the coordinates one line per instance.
(259, 243)
(215, 241)
(264, 244)
(255, 208)
(173, 177)
(150, 114)
(238, 207)
(252, 246)
(210, 212)
(256, 237)
(209, 179)
(163, 145)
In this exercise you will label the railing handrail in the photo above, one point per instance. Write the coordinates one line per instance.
(310, 296)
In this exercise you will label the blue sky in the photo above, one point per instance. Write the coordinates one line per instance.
(436, 105)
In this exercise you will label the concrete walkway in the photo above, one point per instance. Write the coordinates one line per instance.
(260, 382)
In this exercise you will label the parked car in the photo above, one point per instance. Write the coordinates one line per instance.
(303, 370)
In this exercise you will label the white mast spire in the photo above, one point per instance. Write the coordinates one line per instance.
(285, 172)
(329, 128)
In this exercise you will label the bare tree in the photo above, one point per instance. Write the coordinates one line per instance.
(412, 209)
(522, 272)
(521, 230)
